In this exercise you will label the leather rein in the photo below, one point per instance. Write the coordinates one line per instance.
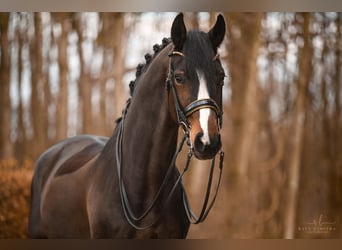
(182, 115)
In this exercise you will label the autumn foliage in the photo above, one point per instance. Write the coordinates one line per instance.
(14, 198)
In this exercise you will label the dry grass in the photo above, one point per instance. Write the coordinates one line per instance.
(15, 185)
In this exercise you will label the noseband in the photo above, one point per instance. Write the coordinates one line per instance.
(184, 113)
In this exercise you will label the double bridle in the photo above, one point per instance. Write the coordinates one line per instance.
(182, 115)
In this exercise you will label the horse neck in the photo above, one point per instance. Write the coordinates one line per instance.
(150, 134)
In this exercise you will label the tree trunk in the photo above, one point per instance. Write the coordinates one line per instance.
(243, 49)
(48, 99)
(193, 20)
(37, 84)
(119, 63)
(62, 104)
(22, 135)
(102, 126)
(106, 40)
(6, 149)
(84, 83)
(299, 119)
(244, 30)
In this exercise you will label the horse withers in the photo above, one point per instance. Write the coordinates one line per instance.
(127, 186)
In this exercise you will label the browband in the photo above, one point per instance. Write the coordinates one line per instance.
(174, 52)
(178, 53)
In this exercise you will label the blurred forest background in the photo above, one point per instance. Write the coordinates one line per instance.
(63, 74)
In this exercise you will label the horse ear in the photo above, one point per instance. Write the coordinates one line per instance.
(218, 32)
(178, 32)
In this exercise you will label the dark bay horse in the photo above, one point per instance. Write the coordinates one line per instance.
(127, 186)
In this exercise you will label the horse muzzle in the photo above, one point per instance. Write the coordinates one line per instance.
(206, 144)
(204, 150)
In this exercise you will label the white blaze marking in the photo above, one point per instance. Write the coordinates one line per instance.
(203, 113)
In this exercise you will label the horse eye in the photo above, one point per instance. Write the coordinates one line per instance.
(180, 78)
(222, 75)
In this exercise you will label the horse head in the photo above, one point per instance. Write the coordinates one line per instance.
(196, 77)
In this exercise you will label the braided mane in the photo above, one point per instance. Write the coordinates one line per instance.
(148, 58)
(142, 68)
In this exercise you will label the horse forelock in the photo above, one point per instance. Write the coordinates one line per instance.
(199, 54)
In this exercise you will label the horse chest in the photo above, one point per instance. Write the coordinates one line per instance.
(107, 220)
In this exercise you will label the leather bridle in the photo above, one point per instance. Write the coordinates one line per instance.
(184, 113)
(182, 116)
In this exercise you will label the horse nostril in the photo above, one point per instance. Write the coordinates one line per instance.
(199, 145)
(216, 140)
(207, 148)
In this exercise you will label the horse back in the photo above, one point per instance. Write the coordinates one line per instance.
(62, 159)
